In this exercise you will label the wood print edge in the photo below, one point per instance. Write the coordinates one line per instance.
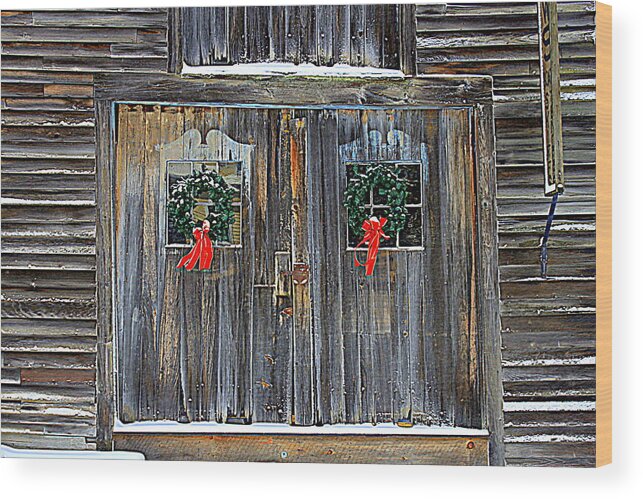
(604, 234)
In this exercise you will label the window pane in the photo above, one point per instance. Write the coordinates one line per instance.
(411, 172)
(411, 235)
(235, 228)
(386, 243)
(231, 173)
(176, 171)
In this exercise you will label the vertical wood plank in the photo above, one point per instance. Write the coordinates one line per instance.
(237, 34)
(326, 21)
(357, 26)
(293, 34)
(390, 39)
(461, 312)
(265, 198)
(170, 313)
(604, 234)
(400, 285)
(175, 52)
(308, 44)
(283, 312)
(219, 43)
(408, 39)
(488, 289)
(277, 33)
(303, 358)
(190, 292)
(435, 336)
(189, 37)
(257, 23)
(342, 39)
(105, 389)
(373, 34)
(347, 130)
(128, 276)
(243, 276)
(313, 202)
(205, 32)
(150, 270)
(326, 257)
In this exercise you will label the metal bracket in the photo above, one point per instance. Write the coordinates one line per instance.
(300, 273)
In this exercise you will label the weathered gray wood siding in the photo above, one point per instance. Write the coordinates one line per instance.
(48, 221)
(548, 326)
(48, 211)
(324, 35)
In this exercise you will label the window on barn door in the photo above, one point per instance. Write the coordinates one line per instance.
(232, 173)
(410, 237)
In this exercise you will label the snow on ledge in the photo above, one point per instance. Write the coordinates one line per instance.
(289, 69)
(284, 429)
(13, 453)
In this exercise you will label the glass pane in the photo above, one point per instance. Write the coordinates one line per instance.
(235, 228)
(385, 243)
(411, 172)
(231, 173)
(411, 235)
(176, 171)
(379, 196)
(199, 213)
(353, 169)
(353, 240)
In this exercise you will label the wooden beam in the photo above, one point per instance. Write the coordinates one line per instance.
(309, 448)
(309, 92)
(104, 290)
(550, 97)
(487, 282)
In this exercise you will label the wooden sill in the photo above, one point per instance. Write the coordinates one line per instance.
(309, 445)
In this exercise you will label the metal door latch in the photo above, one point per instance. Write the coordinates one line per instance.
(300, 273)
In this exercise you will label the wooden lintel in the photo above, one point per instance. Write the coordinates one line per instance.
(550, 91)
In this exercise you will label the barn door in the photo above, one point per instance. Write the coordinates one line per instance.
(284, 328)
(184, 338)
(399, 346)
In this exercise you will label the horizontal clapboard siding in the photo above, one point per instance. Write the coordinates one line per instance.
(548, 326)
(49, 212)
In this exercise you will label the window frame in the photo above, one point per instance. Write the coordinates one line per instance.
(239, 205)
(420, 206)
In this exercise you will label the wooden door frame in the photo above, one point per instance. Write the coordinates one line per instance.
(471, 92)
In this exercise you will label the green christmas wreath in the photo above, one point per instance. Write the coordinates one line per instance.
(182, 201)
(385, 179)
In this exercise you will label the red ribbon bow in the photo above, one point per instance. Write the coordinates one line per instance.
(202, 250)
(372, 234)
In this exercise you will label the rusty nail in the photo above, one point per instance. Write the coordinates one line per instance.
(470, 444)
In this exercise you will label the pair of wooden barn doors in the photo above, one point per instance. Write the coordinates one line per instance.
(284, 328)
